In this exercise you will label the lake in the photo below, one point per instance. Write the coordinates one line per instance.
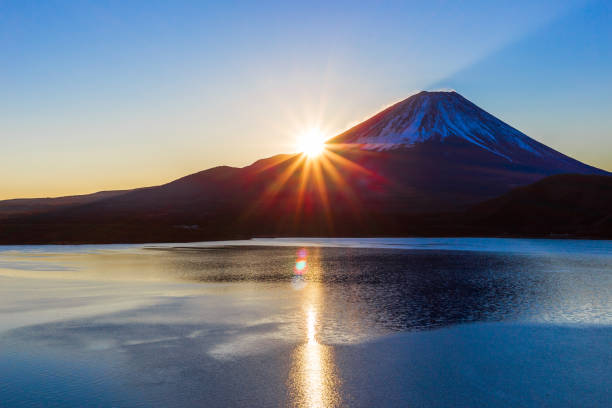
(308, 323)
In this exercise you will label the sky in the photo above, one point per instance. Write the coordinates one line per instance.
(101, 95)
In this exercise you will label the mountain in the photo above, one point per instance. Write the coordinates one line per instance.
(566, 204)
(395, 173)
(30, 206)
(447, 118)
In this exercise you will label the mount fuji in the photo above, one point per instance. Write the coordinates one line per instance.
(448, 118)
(401, 172)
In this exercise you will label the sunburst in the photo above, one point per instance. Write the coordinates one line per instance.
(311, 142)
(314, 172)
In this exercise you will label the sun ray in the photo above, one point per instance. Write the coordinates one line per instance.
(343, 161)
(274, 161)
(322, 189)
(339, 180)
(268, 196)
(277, 184)
(301, 191)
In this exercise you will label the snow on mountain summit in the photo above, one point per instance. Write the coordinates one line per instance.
(441, 116)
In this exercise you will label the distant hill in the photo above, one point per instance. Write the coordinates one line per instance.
(416, 168)
(30, 206)
(569, 204)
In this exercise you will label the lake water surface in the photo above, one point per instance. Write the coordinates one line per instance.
(308, 323)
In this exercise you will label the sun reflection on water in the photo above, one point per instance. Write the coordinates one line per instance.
(314, 381)
(310, 325)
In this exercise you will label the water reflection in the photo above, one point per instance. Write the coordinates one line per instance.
(225, 326)
(376, 290)
(314, 380)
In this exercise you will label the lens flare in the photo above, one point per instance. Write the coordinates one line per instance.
(301, 264)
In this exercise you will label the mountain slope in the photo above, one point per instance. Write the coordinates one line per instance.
(447, 117)
(570, 204)
(29, 206)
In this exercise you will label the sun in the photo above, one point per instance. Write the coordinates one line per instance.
(311, 142)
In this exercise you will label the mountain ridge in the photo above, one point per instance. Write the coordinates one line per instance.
(350, 190)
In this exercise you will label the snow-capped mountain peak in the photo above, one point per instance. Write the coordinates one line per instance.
(441, 116)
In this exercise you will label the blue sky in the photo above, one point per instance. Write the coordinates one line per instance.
(114, 94)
